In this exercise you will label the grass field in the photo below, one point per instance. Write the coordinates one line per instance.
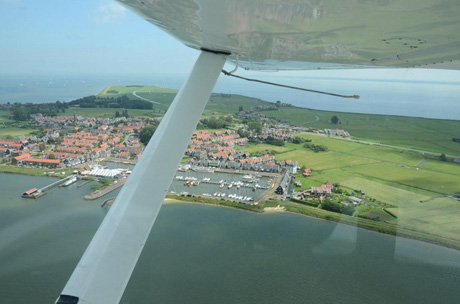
(419, 133)
(387, 175)
(13, 132)
(438, 216)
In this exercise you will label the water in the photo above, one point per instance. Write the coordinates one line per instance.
(179, 186)
(204, 254)
(431, 99)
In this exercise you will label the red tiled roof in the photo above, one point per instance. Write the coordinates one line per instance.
(43, 160)
(22, 156)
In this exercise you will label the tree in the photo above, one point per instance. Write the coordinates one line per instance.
(255, 126)
(52, 156)
(117, 114)
(242, 133)
(349, 210)
(240, 109)
(443, 157)
(334, 120)
(298, 140)
(42, 146)
(331, 206)
(146, 133)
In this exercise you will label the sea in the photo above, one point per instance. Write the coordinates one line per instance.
(399, 96)
(207, 254)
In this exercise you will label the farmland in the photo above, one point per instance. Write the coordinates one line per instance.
(418, 197)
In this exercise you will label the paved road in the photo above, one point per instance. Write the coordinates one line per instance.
(140, 97)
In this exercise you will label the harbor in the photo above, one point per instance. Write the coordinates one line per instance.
(231, 185)
(245, 187)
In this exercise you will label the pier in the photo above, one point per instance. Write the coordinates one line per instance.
(56, 183)
(103, 191)
(84, 183)
(36, 193)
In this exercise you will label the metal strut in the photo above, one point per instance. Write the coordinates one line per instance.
(104, 270)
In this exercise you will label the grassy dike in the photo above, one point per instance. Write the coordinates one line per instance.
(26, 171)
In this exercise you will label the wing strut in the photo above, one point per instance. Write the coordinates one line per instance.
(104, 270)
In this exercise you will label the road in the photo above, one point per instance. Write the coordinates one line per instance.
(140, 97)
(401, 148)
(436, 154)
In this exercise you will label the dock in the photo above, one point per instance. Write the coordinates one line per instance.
(56, 183)
(84, 183)
(36, 193)
(103, 191)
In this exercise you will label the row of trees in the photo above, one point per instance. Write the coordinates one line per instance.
(22, 112)
(330, 205)
(315, 148)
(124, 113)
(111, 102)
(216, 123)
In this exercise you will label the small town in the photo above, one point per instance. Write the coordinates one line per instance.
(80, 144)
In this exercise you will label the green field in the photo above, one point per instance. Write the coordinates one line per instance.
(13, 132)
(418, 133)
(387, 175)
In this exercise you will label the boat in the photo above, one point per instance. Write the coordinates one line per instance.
(184, 168)
(221, 185)
(70, 181)
(201, 169)
(230, 185)
(248, 177)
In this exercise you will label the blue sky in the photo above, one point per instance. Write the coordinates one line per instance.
(102, 37)
(60, 36)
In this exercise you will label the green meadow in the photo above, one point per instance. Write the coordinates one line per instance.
(418, 197)
(13, 132)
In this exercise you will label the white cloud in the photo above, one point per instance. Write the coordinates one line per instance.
(108, 11)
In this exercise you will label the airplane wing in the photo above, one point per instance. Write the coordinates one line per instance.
(262, 34)
(315, 34)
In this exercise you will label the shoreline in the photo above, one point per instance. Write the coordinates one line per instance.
(328, 216)
(303, 210)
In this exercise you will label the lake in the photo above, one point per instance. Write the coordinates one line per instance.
(392, 96)
(206, 254)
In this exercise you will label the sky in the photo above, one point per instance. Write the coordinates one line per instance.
(102, 37)
(58, 36)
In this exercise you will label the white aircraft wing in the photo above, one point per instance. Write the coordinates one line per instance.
(262, 34)
(312, 34)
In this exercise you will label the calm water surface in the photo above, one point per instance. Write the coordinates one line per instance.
(204, 254)
(402, 97)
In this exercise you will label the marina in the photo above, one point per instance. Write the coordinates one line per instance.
(245, 188)
(219, 184)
